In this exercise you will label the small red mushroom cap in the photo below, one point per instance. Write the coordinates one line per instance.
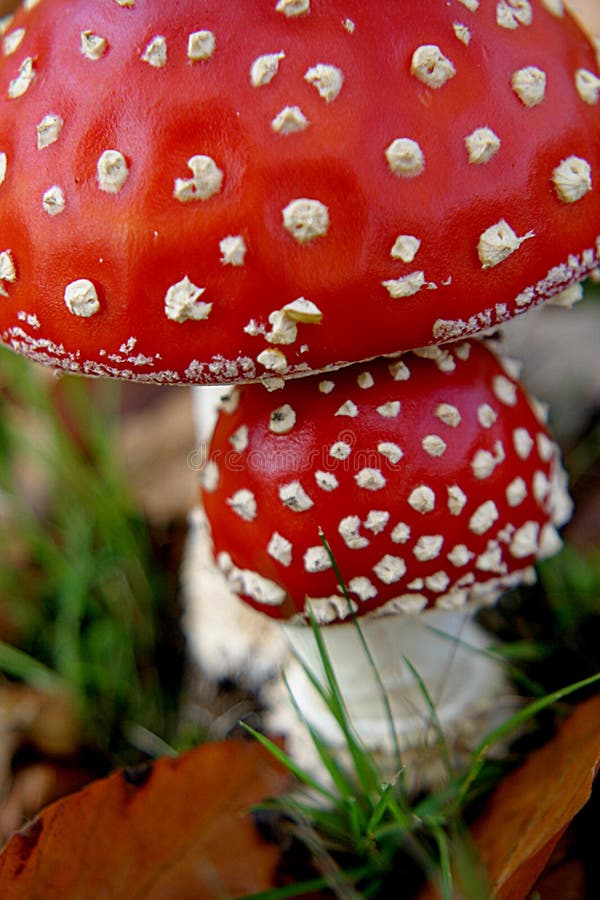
(432, 478)
(222, 192)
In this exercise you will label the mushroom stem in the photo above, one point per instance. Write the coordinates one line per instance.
(454, 673)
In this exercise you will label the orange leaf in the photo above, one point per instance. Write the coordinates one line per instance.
(533, 806)
(176, 830)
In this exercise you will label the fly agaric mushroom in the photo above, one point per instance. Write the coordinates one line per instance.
(256, 190)
(436, 486)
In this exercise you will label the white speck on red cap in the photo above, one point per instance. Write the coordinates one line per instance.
(292, 8)
(264, 68)
(239, 439)
(406, 247)
(390, 409)
(21, 84)
(430, 66)
(112, 171)
(370, 479)
(201, 45)
(290, 120)
(523, 442)
(340, 450)
(206, 180)
(460, 555)
(243, 503)
(483, 464)
(295, 497)
(406, 286)
(390, 450)
(546, 448)
(390, 569)
(422, 499)
(525, 540)
(456, 500)
(282, 419)
(428, 547)
(399, 371)
(588, 86)
(182, 302)
(486, 415)
(512, 13)
(155, 53)
(12, 41)
(348, 408)
(491, 559)
(549, 543)
(516, 492)
(316, 559)
(541, 486)
(81, 298)
(462, 33)
(326, 480)
(365, 381)
(273, 360)
(448, 414)
(482, 144)
(280, 549)
(572, 179)
(349, 529)
(362, 587)
(48, 130)
(498, 242)
(505, 390)
(405, 158)
(233, 250)
(93, 46)
(529, 84)
(484, 517)
(377, 520)
(306, 219)
(7, 271)
(434, 445)
(400, 533)
(327, 79)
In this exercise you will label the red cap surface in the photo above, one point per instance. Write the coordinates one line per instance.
(239, 190)
(431, 477)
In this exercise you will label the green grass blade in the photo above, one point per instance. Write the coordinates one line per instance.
(435, 722)
(366, 649)
(296, 770)
(21, 665)
(340, 778)
(362, 761)
(523, 715)
(445, 862)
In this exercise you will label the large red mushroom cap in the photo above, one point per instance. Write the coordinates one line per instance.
(432, 478)
(221, 192)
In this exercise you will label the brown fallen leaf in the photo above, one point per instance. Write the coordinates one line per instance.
(33, 788)
(174, 830)
(534, 805)
(530, 810)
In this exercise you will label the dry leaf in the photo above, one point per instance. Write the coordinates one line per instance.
(530, 810)
(174, 830)
(533, 806)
